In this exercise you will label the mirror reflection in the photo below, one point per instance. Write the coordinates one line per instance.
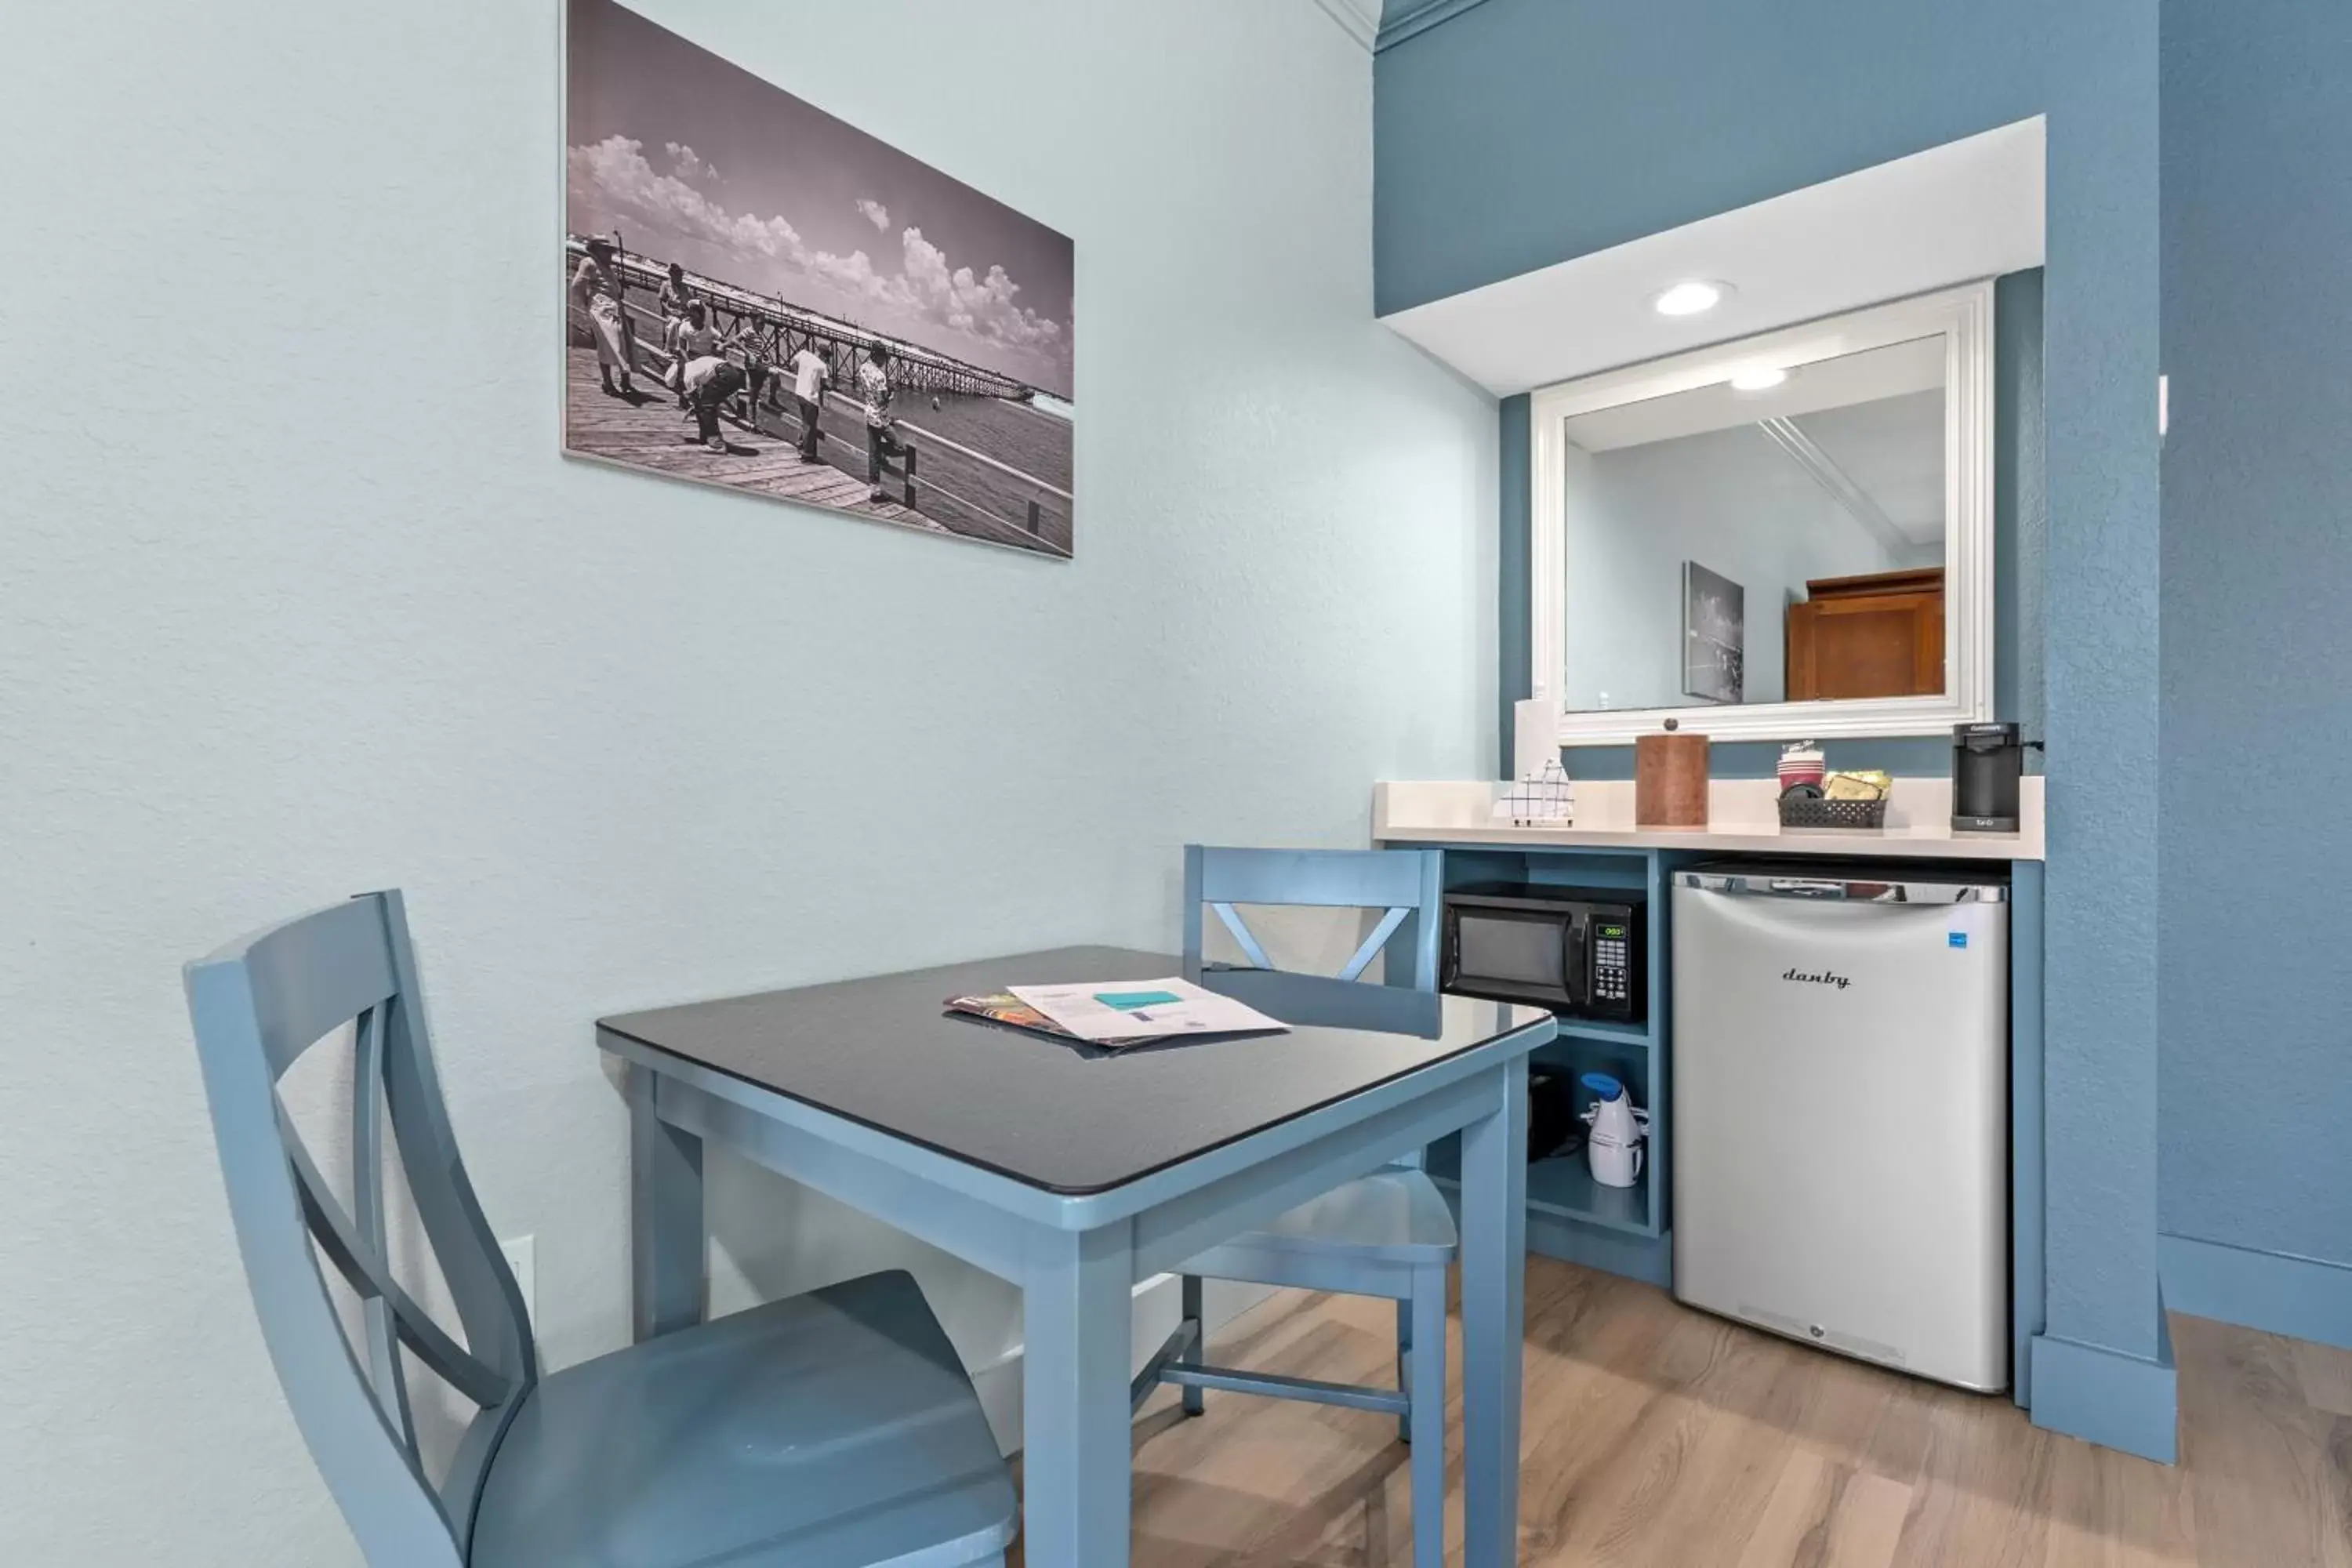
(1775, 536)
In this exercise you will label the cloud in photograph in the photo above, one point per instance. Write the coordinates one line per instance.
(919, 288)
(980, 307)
(617, 169)
(689, 164)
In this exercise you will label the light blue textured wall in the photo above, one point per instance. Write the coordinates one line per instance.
(1525, 132)
(297, 598)
(2257, 1111)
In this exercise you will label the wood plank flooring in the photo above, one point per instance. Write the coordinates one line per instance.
(1657, 1436)
(651, 432)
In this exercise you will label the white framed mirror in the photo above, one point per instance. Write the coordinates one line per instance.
(1788, 536)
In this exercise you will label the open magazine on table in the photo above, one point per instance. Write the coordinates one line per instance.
(1118, 1012)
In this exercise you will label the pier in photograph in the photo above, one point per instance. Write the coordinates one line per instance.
(942, 480)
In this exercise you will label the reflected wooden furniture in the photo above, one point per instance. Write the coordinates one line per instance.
(1877, 635)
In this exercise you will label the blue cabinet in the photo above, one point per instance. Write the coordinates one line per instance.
(1626, 1230)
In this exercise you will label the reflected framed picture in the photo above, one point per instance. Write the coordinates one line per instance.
(1715, 635)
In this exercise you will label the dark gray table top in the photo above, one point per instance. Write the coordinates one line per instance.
(1068, 1118)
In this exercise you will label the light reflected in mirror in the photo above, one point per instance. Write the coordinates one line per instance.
(1759, 540)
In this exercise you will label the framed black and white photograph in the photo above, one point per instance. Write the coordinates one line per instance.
(1715, 635)
(760, 296)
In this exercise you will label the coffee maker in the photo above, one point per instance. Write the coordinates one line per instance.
(1987, 761)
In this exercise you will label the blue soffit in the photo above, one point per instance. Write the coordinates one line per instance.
(1402, 19)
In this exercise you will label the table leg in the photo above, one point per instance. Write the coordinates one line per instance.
(669, 1284)
(1494, 1322)
(1077, 1335)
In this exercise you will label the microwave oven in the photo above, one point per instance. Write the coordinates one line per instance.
(1574, 950)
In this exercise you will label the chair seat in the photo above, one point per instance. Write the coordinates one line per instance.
(1395, 1215)
(830, 1429)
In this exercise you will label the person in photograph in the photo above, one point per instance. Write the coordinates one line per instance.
(598, 294)
(692, 338)
(746, 340)
(873, 387)
(708, 381)
(674, 297)
(810, 373)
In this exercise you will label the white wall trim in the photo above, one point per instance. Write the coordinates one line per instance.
(1359, 20)
(1411, 18)
(1364, 20)
(1963, 318)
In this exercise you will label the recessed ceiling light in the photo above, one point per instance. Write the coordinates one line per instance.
(1692, 296)
(1759, 378)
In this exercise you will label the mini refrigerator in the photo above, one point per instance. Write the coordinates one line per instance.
(1841, 1108)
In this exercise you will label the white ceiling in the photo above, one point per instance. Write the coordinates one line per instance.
(1888, 454)
(1966, 210)
(1869, 376)
(1893, 451)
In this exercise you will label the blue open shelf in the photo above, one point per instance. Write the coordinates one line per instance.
(1569, 1214)
(1599, 1029)
(1563, 1188)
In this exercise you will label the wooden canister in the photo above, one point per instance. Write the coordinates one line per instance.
(1670, 779)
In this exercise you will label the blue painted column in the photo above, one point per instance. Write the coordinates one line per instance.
(2102, 1368)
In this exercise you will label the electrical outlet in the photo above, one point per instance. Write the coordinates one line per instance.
(522, 1262)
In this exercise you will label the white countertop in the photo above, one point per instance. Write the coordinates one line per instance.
(1741, 819)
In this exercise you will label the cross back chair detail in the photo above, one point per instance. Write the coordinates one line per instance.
(1387, 1234)
(834, 1428)
(1405, 884)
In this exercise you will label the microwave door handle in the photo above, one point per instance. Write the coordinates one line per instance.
(1576, 969)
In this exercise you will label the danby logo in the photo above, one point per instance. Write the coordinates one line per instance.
(1818, 977)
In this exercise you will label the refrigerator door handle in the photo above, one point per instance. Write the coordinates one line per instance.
(1845, 890)
(1813, 887)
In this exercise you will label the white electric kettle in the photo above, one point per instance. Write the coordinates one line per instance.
(1613, 1148)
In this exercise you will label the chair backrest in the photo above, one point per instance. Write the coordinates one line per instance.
(259, 1004)
(1406, 885)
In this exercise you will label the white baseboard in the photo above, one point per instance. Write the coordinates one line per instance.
(1156, 1303)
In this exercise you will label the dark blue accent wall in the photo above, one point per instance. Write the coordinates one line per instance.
(2256, 933)
(1524, 132)
(2020, 505)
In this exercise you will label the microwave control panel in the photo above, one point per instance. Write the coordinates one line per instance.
(1613, 973)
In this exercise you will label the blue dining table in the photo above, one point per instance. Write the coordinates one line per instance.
(1076, 1173)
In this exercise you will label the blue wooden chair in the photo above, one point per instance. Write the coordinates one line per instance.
(1387, 1234)
(830, 1430)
